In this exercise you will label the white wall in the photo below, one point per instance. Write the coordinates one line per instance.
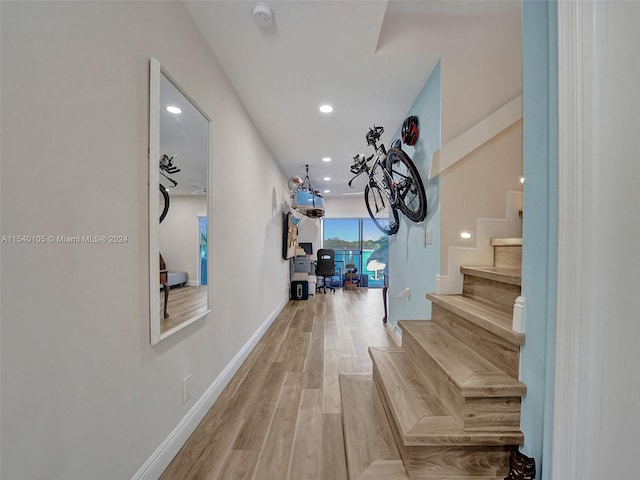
(481, 72)
(616, 229)
(84, 395)
(180, 235)
(477, 187)
(597, 388)
(348, 206)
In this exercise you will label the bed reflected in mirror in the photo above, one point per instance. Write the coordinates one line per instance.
(178, 213)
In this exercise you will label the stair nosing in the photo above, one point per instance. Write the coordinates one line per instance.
(462, 438)
(468, 386)
(445, 301)
(506, 242)
(508, 275)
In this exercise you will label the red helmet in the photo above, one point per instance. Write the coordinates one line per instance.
(410, 130)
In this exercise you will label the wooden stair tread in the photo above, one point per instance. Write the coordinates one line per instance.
(474, 375)
(418, 414)
(511, 276)
(367, 434)
(491, 318)
(506, 242)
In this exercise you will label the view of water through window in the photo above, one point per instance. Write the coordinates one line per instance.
(357, 242)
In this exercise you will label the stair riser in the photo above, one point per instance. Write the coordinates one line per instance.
(492, 414)
(502, 295)
(507, 256)
(392, 422)
(475, 413)
(445, 462)
(498, 351)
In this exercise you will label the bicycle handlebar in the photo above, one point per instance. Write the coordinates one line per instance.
(359, 164)
(351, 181)
(374, 135)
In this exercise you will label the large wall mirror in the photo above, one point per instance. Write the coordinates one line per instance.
(179, 152)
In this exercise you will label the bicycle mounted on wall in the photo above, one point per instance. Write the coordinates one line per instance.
(166, 165)
(394, 184)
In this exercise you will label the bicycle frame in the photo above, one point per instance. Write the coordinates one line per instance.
(387, 183)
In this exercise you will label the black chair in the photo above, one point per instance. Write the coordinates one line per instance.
(326, 268)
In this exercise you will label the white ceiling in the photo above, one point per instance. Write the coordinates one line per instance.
(368, 58)
(185, 138)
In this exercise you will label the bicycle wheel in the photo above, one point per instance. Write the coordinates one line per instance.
(164, 202)
(412, 199)
(383, 214)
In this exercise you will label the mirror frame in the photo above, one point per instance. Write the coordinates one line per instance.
(155, 73)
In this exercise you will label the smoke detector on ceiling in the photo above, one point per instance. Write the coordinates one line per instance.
(262, 14)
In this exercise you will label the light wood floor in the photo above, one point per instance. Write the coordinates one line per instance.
(280, 416)
(184, 304)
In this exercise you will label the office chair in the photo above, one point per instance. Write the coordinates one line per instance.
(326, 267)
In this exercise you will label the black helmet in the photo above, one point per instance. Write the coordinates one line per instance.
(410, 130)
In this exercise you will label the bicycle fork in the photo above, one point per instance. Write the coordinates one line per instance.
(384, 190)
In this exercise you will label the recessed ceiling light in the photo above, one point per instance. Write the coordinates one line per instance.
(326, 159)
(327, 191)
(466, 235)
(326, 179)
(173, 109)
(326, 108)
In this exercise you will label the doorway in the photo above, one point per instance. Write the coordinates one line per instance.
(358, 241)
(203, 250)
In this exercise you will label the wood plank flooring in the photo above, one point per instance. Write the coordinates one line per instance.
(280, 416)
(184, 304)
(368, 435)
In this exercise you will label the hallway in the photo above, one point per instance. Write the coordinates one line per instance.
(280, 416)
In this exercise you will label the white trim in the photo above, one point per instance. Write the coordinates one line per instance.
(154, 202)
(481, 253)
(156, 71)
(395, 333)
(160, 459)
(476, 136)
(519, 314)
(578, 356)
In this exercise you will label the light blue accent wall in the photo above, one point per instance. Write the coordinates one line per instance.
(412, 264)
(539, 260)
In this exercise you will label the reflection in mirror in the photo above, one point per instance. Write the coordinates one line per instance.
(178, 233)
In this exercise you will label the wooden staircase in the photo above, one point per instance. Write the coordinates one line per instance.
(451, 393)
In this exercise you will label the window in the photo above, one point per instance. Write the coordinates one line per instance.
(357, 241)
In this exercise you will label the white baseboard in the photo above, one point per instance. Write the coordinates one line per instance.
(519, 314)
(160, 459)
(395, 333)
(481, 252)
